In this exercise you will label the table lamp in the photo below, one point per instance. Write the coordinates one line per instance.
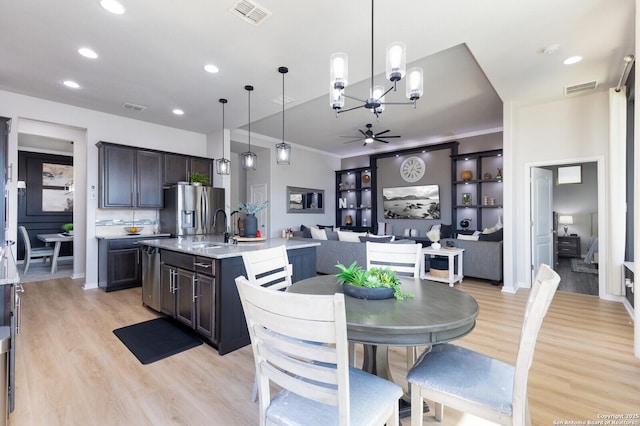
(566, 221)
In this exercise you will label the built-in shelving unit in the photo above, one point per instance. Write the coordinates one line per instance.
(354, 199)
(477, 188)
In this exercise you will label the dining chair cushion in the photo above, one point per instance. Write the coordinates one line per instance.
(467, 374)
(369, 396)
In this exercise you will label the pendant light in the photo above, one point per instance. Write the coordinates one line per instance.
(283, 149)
(223, 166)
(249, 159)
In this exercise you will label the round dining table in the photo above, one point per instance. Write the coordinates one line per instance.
(435, 314)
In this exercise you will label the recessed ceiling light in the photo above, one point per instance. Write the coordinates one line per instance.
(112, 6)
(72, 84)
(572, 60)
(211, 68)
(178, 111)
(87, 53)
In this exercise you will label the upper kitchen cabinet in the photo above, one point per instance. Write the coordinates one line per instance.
(178, 168)
(129, 177)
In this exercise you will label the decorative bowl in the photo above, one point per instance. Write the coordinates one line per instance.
(367, 293)
(133, 229)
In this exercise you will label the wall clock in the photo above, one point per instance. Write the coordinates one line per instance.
(412, 169)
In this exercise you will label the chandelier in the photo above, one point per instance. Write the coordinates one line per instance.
(395, 71)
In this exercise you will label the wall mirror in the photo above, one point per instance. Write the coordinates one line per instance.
(305, 200)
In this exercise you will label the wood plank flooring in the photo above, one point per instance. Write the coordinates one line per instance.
(72, 370)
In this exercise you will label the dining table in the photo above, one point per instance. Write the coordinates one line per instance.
(57, 240)
(435, 314)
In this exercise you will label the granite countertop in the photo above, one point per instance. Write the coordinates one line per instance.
(213, 246)
(117, 237)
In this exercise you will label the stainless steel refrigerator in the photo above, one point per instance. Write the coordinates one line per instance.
(190, 210)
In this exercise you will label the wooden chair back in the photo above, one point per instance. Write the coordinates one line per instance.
(299, 342)
(268, 267)
(405, 259)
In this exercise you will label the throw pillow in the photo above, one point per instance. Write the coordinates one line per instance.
(435, 227)
(331, 235)
(494, 236)
(318, 234)
(468, 237)
(325, 227)
(446, 231)
(306, 231)
(490, 230)
(386, 239)
(413, 233)
(352, 237)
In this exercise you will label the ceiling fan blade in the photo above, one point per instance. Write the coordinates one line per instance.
(363, 133)
(380, 140)
(382, 133)
(355, 140)
(386, 137)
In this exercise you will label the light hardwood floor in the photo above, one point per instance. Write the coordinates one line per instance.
(72, 370)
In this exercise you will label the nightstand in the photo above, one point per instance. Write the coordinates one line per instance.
(569, 246)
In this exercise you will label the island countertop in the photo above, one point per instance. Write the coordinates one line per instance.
(213, 246)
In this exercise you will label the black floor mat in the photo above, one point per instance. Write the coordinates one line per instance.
(153, 340)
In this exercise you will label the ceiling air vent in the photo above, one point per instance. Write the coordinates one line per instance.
(589, 85)
(133, 107)
(250, 12)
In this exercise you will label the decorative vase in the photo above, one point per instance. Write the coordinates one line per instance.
(348, 220)
(487, 176)
(499, 175)
(436, 246)
(250, 225)
(367, 293)
(466, 175)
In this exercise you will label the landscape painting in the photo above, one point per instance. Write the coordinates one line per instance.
(412, 202)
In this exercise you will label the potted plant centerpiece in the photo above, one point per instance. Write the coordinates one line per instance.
(376, 283)
(68, 228)
(251, 221)
(199, 179)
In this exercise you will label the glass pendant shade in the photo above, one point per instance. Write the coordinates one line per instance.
(223, 166)
(377, 95)
(414, 84)
(249, 160)
(396, 61)
(339, 70)
(283, 153)
(336, 99)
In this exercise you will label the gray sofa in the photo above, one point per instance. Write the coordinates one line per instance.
(481, 259)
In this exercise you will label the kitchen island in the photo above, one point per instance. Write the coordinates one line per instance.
(194, 283)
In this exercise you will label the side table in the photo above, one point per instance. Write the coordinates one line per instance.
(451, 254)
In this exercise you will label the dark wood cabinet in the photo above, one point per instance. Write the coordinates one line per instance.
(184, 291)
(149, 176)
(178, 168)
(129, 177)
(353, 199)
(167, 298)
(119, 264)
(569, 246)
(204, 305)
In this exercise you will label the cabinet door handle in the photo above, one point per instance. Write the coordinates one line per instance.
(18, 314)
(193, 288)
(203, 265)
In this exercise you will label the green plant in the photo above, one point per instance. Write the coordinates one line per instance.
(373, 278)
(199, 178)
(252, 208)
(67, 227)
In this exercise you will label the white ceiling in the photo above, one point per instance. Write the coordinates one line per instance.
(476, 54)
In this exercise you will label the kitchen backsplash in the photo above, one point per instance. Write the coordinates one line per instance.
(112, 222)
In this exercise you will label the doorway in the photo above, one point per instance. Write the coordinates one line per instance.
(575, 209)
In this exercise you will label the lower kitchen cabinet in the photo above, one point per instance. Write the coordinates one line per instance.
(119, 264)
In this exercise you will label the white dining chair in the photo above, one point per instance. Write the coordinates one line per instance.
(267, 268)
(477, 384)
(405, 259)
(299, 343)
(33, 252)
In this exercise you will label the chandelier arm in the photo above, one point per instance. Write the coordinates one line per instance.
(385, 93)
(354, 98)
(350, 109)
(399, 103)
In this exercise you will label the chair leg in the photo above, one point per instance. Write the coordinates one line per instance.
(254, 392)
(416, 406)
(438, 411)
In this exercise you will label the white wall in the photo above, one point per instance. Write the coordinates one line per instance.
(571, 130)
(99, 127)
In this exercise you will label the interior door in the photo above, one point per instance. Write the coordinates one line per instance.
(541, 218)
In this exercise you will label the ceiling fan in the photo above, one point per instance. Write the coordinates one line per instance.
(368, 136)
